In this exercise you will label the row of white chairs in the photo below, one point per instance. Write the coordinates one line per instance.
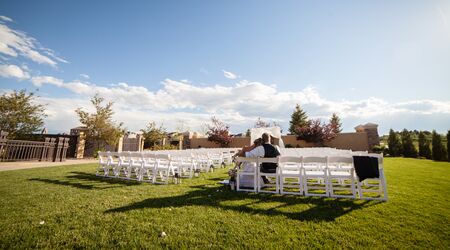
(159, 166)
(329, 176)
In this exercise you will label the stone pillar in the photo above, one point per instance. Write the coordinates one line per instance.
(3, 141)
(140, 139)
(120, 144)
(81, 143)
(372, 134)
(51, 149)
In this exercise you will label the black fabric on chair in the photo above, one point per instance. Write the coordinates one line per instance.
(366, 167)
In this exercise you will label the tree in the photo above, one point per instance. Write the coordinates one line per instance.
(424, 146)
(438, 150)
(19, 115)
(219, 132)
(261, 124)
(298, 119)
(315, 131)
(409, 150)
(153, 135)
(100, 126)
(248, 133)
(336, 124)
(448, 145)
(394, 144)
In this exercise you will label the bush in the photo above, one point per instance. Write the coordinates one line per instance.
(219, 132)
(380, 149)
(316, 132)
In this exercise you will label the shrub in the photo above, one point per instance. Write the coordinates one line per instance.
(315, 131)
(380, 149)
(219, 132)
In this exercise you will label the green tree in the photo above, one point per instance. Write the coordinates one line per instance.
(153, 135)
(19, 115)
(335, 123)
(394, 144)
(424, 146)
(101, 128)
(298, 119)
(438, 150)
(409, 150)
(448, 145)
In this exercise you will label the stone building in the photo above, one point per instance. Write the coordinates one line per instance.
(371, 129)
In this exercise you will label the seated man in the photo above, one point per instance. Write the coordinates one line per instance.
(266, 150)
(246, 149)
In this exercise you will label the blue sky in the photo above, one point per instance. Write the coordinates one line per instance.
(180, 62)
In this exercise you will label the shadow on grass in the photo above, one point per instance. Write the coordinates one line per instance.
(88, 181)
(318, 208)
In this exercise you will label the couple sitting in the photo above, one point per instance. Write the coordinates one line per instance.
(262, 148)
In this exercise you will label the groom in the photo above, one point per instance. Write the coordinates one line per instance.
(266, 150)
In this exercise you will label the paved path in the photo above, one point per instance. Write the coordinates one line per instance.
(4, 166)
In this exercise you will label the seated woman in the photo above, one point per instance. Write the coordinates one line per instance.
(241, 153)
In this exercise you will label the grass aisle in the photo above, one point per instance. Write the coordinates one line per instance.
(69, 207)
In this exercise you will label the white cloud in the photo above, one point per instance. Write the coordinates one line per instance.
(5, 18)
(229, 75)
(14, 43)
(85, 76)
(239, 105)
(13, 71)
(38, 81)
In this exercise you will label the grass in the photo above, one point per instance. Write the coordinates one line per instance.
(80, 210)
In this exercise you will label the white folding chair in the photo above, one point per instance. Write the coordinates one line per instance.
(124, 164)
(315, 179)
(135, 166)
(103, 164)
(291, 178)
(163, 169)
(374, 188)
(203, 161)
(271, 177)
(114, 159)
(148, 172)
(341, 177)
(247, 174)
(216, 159)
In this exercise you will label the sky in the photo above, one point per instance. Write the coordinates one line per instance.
(179, 63)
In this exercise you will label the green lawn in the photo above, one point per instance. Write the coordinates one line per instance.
(80, 210)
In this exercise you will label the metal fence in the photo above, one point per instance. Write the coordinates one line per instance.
(51, 149)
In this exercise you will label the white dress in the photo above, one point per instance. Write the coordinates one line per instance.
(247, 180)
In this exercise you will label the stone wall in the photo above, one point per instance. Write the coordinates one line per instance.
(237, 142)
(353, 141)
